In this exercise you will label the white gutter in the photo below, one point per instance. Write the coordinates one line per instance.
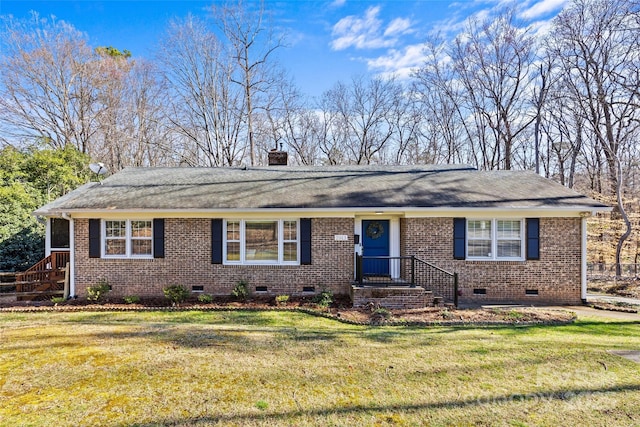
(583, 261)
(344, 211)
(72, 254)
(47, 237)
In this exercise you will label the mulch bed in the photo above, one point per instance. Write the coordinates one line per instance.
(340, 311)
(614, 307)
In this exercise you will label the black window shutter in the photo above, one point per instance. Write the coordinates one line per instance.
(305, 241)
(533, 238)
(158, 238)
(216, 241)
(94, 238)
(459, 237)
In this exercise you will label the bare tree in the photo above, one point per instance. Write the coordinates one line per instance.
(331, 132)
(446, 128)
(563, 131)
(47, 91)
(134, 129)
(287, 122)
(493, 61)
(598, 44)
(251, 46)
(364, 111)
(405, 119)
(540, 93)
(206, 107)
(55, 88)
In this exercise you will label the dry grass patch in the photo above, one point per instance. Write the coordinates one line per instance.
(274, 368)
(624, 287)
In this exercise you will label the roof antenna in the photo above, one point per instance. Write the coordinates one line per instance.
(99, 169)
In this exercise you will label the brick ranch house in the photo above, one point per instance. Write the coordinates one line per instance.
(395, 235)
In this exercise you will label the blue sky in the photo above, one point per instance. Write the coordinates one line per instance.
(326, 41)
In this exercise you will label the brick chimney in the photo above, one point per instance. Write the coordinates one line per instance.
(278, 157)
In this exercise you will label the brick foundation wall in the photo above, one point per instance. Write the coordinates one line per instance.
(188, 262)
(391, 298)
(556, 276)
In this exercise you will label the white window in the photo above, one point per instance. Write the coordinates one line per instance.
(261, 242)
(495, 239)
(127, 238)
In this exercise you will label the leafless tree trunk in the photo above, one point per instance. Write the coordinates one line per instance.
(493, 64)
(445, 122)
(251, 45)
(289, 123)
(365, 109)
(206, 107)
(540, 94)
(598, 44)
(47, 91)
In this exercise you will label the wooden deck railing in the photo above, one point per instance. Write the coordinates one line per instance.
(47, 269)
(48, 277)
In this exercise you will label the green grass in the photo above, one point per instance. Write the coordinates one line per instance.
(277, 368)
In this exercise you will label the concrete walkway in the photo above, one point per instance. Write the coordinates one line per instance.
(584, 311)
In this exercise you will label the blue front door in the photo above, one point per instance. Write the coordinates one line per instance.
(375, 243)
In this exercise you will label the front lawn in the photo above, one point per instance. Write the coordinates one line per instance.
(284, 368)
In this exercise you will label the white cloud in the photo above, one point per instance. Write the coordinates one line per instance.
(404, 54)
(398, 26)
(337, 3)
(399, 62)
(368, 31)
(542, 8)
(539, 29)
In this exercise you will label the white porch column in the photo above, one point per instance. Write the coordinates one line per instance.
(72, 257)
(47, 238)
(583, 263)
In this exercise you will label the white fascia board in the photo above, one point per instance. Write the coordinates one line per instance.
(543, 212)
(217, 213)
(576, 211)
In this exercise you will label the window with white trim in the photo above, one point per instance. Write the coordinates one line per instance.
(495, 239)
(127, 238)
(261, 242)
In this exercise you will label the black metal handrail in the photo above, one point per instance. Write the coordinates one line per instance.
(384, 270)
(441, 282)
(407, 271)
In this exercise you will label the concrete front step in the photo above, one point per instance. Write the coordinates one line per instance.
(391, 297)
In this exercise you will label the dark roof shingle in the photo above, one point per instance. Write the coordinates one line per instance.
(319, 187)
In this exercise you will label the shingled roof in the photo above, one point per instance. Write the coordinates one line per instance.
(344, 187)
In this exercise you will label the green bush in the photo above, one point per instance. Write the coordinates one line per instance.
(382, 312)
(515, 315)
(240, 290)
(176, 294)
(131, 299)
(205, 299)
(380, 316)
(324, 299)
(98, 292)
(57, 300)
(282, 299)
